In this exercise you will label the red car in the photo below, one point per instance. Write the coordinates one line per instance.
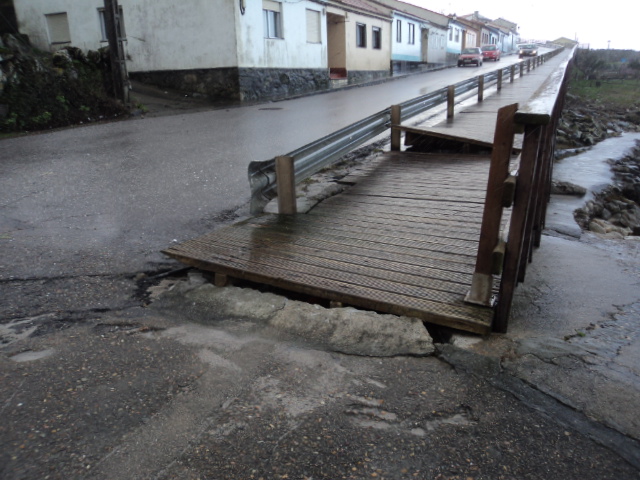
(470, 56)
(491, 52)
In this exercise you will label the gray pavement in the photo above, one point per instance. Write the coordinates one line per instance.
(113, 367)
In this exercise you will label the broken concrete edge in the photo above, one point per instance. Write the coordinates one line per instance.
(345, 330)
(490, 368)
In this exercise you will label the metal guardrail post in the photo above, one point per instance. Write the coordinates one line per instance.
(499, 84)
(513, 73)
(480, 88)
(396, 116)
(286, 185)
(451, 96)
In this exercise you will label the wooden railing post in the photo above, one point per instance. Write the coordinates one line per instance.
(499, 86)
(482, 280)
(480, 88)
(451, 97)
(521, 209)
(285, 176)
(396, 116)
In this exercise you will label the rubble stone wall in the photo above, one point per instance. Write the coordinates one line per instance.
(245, 84)
(362, 76)
(213, 82)
(265, 83)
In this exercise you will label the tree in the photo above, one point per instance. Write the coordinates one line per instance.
(590, 63)
(635, 66)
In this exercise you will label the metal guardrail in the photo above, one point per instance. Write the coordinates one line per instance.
(317, 155)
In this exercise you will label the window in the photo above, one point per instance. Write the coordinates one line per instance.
(313, 27)
(450, 33)
(272, 14)
(361, 35)
(457, 35)
(58, 26)
(412, 34)
(376, 38)
(399, 31)
(103, 24)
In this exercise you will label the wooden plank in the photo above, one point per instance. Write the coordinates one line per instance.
(311, 226)
(429, 284)
(465, 317)
(404, 243)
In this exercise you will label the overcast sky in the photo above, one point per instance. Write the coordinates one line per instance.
(599, 24)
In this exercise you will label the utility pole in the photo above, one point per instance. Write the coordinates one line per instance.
(113, 25)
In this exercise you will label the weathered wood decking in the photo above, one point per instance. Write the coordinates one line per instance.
(403, 241)
(406, 237)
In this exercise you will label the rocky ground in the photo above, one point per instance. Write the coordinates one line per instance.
(615, 210)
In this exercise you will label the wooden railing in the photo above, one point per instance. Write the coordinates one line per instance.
(531, 188)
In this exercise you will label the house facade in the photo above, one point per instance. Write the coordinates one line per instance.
(358, 40)
(456, 40)
(472, 32)
(419, 36)
(244, 50)
(406, 43)
(251, 50)
(511, 37)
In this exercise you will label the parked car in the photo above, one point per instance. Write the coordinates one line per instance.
(470, 56)
(528, 50)
(491, 52)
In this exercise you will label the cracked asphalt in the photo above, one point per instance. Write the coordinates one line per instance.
(114, 366)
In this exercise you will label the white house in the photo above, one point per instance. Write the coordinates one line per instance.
(418, 35)
(456, 40)
(511, 37)
(358, 40)
(243, 49)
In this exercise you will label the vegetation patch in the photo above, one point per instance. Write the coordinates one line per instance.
(40, 90)
(608, 77)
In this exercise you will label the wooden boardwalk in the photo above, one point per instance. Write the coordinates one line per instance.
(404, 237)
(403, 241)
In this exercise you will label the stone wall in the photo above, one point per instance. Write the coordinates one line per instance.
(245, 84)
(213, 82)
(266, 83)
(363, 76)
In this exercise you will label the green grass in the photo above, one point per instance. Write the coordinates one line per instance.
(613, 93)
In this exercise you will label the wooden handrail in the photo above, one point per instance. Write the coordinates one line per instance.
(539, 116)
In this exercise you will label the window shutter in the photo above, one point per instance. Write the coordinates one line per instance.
(271, 5)
(58, 26)
(313, 26)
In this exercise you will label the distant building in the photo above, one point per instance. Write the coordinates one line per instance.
(418, 36)
(565, 42)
